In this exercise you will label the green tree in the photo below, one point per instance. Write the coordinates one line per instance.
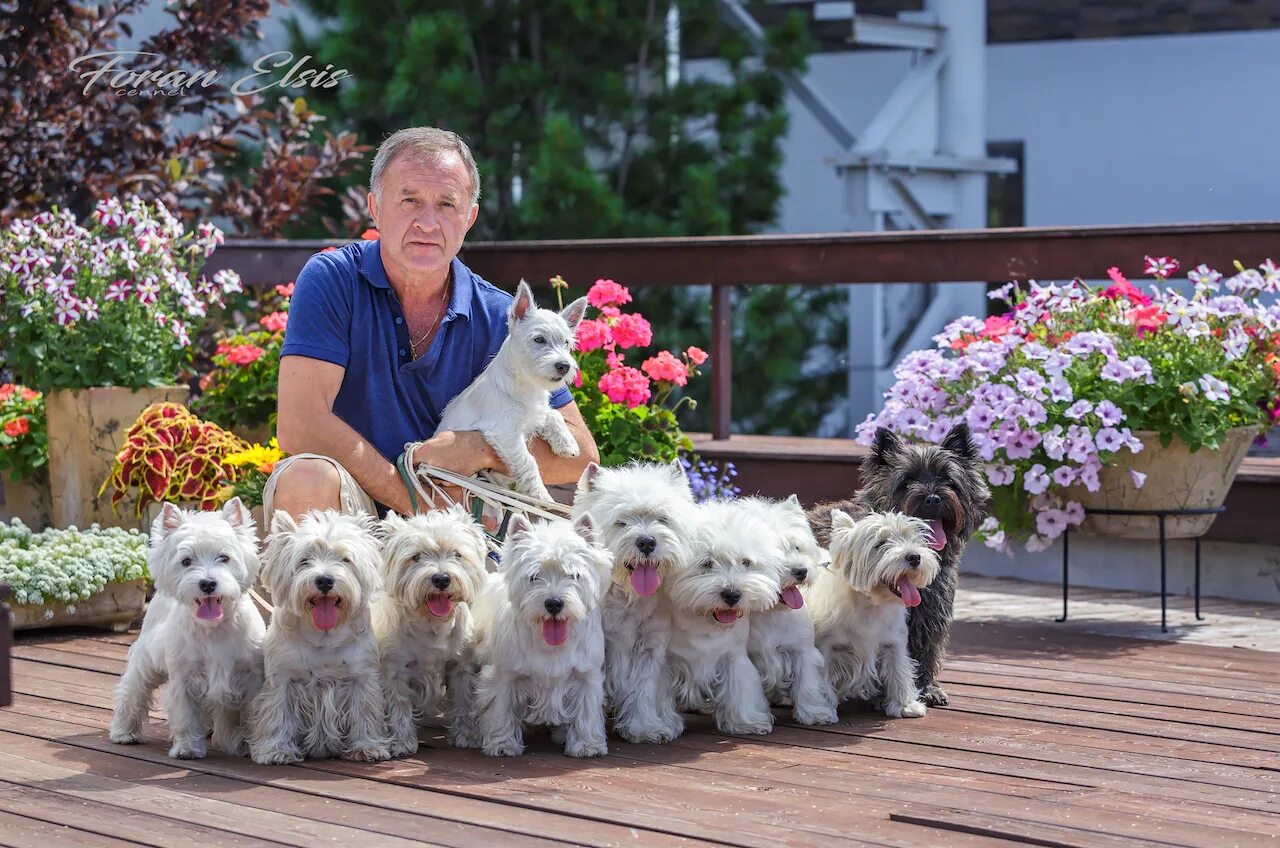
(582, 130)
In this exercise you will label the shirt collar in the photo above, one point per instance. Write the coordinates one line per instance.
(463, 283)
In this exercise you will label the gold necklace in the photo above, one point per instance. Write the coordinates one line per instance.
(413, 346)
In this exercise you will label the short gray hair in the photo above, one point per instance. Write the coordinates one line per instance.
(423, 143)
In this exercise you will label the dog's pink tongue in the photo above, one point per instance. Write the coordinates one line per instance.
(726, 616)
(324, 615)
(645, 579)
(910, 594)
(939, 540)
(440, 605)
(791, 597)
(208, 609)
(555, 631)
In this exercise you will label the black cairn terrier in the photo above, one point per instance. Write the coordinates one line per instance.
(944, 485)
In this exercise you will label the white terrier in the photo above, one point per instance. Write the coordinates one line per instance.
(433, 567)
(323, 692)
(641, 512)
(508, 402)
(781, 642)
(539, 640)
(859, 607)
(201, 633)
(731, 573)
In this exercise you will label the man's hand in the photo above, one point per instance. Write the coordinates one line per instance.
(464, 452)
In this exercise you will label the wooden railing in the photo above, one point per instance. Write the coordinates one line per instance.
(6, 646)
(934, 256)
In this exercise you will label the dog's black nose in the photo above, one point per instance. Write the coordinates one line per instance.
(553, 605)
(933, 501)
(324, 584)
(563, 368)
(913, 560)
(646, 545)
(207, 585)
(800, 574)
(731, 596)
(441, 581)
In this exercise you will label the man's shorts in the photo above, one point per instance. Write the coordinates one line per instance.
(354, 499)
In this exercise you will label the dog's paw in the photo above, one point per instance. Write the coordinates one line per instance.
(915, 709)
(368, 754)
(558, 734)
(504, 749)
(464, 740)
(933, 696)
(815, 718)
(587, 749)
(654, 735)
(187, 750)
(276, 756)
(567, 449)
(404, 748)
(749, 728)
(121, 736)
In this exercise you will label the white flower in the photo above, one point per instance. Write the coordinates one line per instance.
(1036, 544)
(1214, 389)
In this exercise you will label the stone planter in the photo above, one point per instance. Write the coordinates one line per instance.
(1176, 479)
(86, 431)
(28, 500)
(117, 606)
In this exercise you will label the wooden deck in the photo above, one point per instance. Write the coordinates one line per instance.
(1055, 737)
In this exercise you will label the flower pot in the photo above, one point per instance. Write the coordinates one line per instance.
(117, 606)
(28, 500)
(1176, 479)
(86, 431)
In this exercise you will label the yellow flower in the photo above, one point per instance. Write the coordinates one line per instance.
(257, 456)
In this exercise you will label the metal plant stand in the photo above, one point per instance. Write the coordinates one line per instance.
(1161, 515)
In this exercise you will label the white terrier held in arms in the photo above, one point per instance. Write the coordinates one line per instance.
(509, 401)
(433, 568)
(731, 573)
(640, 512)
(539, 640)
(859, 607)
(781, 642)
(202, 634)
(323, 692)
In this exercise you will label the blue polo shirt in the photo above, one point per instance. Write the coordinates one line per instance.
(344, 311)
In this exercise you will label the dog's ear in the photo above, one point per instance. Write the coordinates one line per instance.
(518, 525)
(680, 475)
(572, 314)
(842, 520)
(389, 525)
(282, 522)
(239, 516)
(166, 522)
(885, 447)
(523, 303)
(588, 477)
(583, 527)
(960, 442)
(793, 503)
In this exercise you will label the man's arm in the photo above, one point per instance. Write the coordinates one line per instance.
(305, 423)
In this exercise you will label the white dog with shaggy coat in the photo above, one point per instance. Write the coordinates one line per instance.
(641, 512)
(728, 576)
(540, 644)
(202, 634)
(434, 566)
(509, 401)
(323, 693)
(859, 607)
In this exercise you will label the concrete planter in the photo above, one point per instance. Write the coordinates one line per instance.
(1176, 479)
(117, 606)
(86, 430)
(29, 500)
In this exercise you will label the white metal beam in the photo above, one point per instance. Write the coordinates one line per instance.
(876, 31)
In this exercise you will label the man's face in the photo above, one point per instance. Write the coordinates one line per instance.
(424, 213)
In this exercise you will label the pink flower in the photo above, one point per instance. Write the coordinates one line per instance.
(614, 360)
(1160, 266)
(625, 385)
(245, 354)
(180, 332)
(610, 311)
(90, 309)
(1116, 277)
(593, 335)
(608, 293)
(285, 290)
(275, 322)
(696, 355)
(632, 331)
(666, 368)
(1146, 319)
(119, 290)
(1124, 289)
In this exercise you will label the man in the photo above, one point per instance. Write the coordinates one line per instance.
(383, 334)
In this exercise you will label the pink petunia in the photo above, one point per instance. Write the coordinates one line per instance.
(1160, 266)
(608, 293)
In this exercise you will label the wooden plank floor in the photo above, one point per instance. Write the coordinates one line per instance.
(1055, 737)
